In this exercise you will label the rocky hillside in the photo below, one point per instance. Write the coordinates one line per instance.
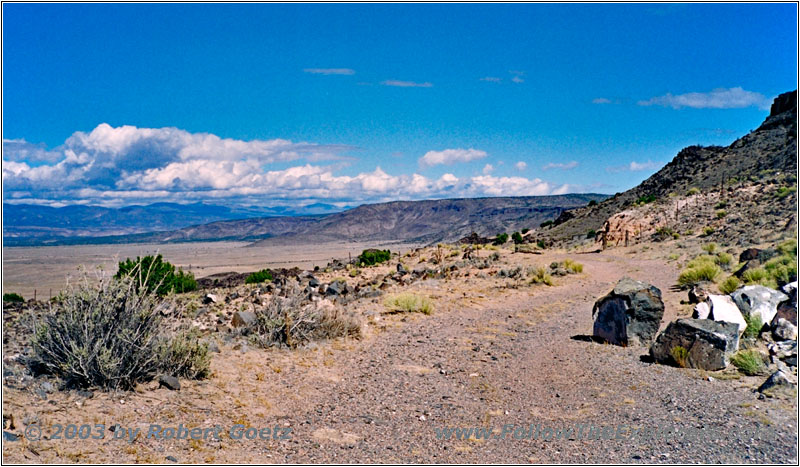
(445, 220)
(758, 170)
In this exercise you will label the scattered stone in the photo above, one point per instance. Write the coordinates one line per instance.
(758, 300)
(213, 347)
(785, 351)
(708, 344)
(313, 282)
(8, 436)
(209, 298)
(243, 319)
(171, 458)
(165, 308)
(752, 264)
(401, 269)
(48, 387)
(630, 314)
(777, 384)
(169, 382)
(783, 330)
(84, 393)
(336, 288)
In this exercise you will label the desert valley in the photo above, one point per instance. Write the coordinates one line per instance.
(366, 335)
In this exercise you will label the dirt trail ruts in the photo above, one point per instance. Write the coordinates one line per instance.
(515, 360)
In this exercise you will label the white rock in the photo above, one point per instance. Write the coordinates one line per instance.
(758, 300)
(724, 309)
(701, 311)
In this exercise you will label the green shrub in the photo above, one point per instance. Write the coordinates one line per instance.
(665, 233)
(264, 275)
(756, 276)
(546, 224)
(789, 247)
(754, 325)
(708, 231)
(541, 244)
(592, 203)
(703, 272)
(591, 233)
(730, 285)
(372, 257)
(721, 205)
(784, 191)
(679, 355)
(501, 239)
(12, 298)
(646, 199)
(517, 237)
(110, 336)
(156, 275)
(524, 231)
(409, 303)
(693, 191)
(724, 259)
(721, 213)
(354, 272)
(541, 276)
(710, 248)
(749, 362)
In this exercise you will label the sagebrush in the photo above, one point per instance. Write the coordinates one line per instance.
(111, 336)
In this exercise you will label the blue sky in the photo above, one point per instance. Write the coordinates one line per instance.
(293, 104)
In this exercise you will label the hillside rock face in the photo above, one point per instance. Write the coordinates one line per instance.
(630, 314)
(747, 166)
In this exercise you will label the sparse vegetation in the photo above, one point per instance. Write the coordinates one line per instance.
(749, 362)
(156, 275)
(12, 298)
(372, 257)
(699, 272)
(409, 302)
(541, 276)
(524, 231)
(784, 191)
(665, 233)
(501, 239)
(110, 336)
(721, 213)
(730, 285)
(546, 224)
(592, 203)
(710, 248)
(646, 199)
(679, 356)
(517, 237)
(754, 325)
(264, 275)
(573, 266)
(708, 231)
(693, 191)
(591, 233)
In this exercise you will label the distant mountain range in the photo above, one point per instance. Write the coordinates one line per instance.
(26, 224)
(421, 221)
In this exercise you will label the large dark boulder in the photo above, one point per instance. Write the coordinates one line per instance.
(630, 314)
(696, 343)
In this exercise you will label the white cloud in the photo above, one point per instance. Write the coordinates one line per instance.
(720, 98)
(330, 71)
(560, 165)
(636, 167)
(126, 165)
(450, 156)
(520, 166)
(487, 169)
(601, 100)
(406, 84)
(491, 79)
(517, 79)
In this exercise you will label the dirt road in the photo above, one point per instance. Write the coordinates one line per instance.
(493, 354)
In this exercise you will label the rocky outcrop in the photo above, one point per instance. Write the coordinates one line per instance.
(720, 308)
(757, 300)
(696, 343)
(630, 314)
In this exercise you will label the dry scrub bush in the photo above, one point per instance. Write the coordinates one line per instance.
(110, 336)
(288, 321)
